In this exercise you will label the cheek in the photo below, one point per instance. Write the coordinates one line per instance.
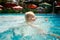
(29, 18)
(33, 19)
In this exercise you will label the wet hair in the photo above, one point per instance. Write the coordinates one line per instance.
(27, 14)
(30, 12)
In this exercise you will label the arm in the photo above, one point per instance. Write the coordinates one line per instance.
(55, 35)
(44, 33)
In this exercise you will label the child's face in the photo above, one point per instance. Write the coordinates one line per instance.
(31, 18)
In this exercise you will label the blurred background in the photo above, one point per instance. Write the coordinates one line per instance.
(22, 6)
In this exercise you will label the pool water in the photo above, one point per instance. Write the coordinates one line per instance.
(10, 27)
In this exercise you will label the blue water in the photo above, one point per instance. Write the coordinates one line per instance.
(10, 27)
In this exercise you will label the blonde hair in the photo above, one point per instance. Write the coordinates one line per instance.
(27, 14)
(30, 12)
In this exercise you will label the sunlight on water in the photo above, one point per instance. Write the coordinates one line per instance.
(9, 21)
(10, 28)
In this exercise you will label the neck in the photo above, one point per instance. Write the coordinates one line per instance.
(29, 22)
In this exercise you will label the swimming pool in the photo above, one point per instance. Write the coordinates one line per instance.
(48, 22)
